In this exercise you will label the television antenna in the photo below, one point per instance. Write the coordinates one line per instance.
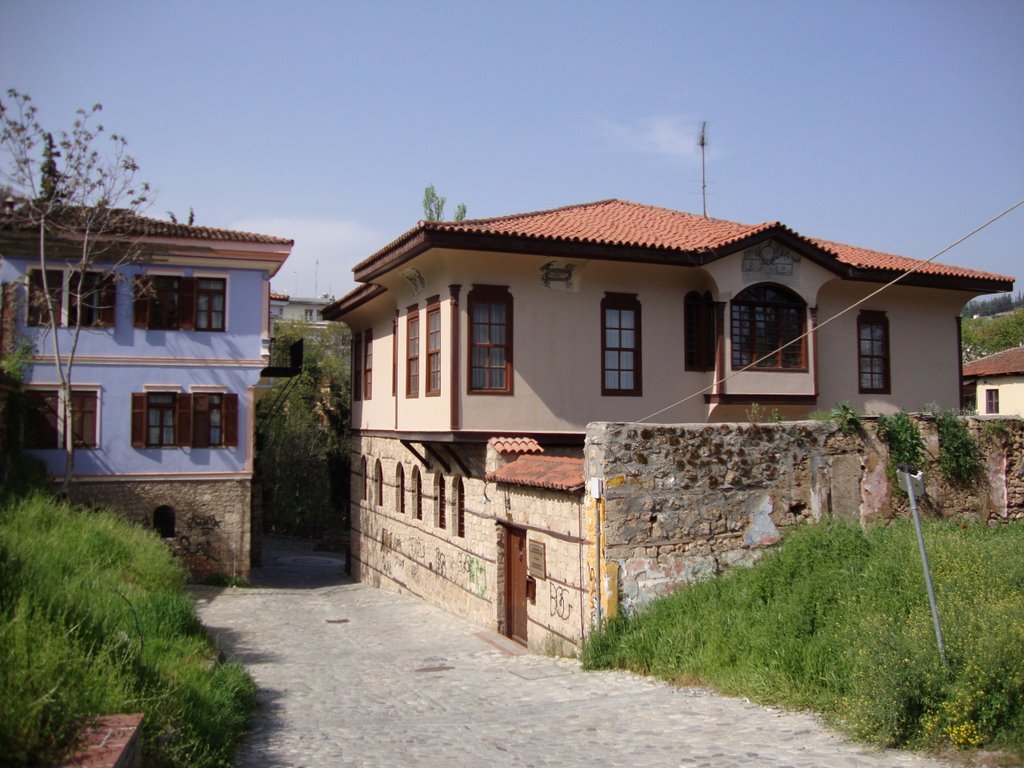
(703, 143)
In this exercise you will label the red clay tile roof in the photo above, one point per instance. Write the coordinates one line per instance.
(275, 296)
(557, 473)
(628, 224)
(131, 225)
(515, 445)
(1005, 363)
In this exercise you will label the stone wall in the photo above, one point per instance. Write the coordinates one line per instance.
(390, 548)
(681, 503)
(212, 518)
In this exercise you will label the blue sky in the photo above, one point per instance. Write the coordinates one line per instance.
(897, 126)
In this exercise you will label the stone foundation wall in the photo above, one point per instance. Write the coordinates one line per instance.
(390, 548)
(682, 503)
(212, 518)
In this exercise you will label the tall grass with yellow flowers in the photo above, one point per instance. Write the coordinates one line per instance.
(837, 620)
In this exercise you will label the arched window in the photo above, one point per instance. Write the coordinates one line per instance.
(440, 500)
(699, 331)
(400, 488)
(378, 483)
(417, 493)
(364, 481)
(163, 522)
(460, 509)
(765, 318)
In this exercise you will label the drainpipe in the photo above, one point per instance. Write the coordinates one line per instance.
(596, 488)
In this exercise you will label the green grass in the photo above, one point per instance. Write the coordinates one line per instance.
(837, 620)
(94, 621)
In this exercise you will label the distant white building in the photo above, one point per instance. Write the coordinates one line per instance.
(285, 307)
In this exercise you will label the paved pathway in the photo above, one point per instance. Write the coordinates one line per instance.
(354, 676)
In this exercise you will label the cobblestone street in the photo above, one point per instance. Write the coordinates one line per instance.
(354, 676)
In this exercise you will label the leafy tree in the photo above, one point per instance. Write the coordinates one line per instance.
(433, 206)
(302, 426)
(78, 209)
(982, 336)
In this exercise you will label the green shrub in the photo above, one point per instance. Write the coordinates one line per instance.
(906, 446)
(94, 621)
(845, 417)
(837, 619)
(959, 458)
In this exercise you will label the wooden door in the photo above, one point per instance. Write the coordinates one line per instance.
(515, 584)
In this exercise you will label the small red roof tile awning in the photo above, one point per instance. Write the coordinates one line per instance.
(519, 445)
(556, 473)
(1006, 363)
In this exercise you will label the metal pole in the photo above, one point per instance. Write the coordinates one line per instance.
(911, 476)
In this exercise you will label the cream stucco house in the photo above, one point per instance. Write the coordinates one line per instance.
(997, 382)
(481, 340)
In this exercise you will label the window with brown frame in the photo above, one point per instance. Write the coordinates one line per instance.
(357, 366)
(699, 331)
(417, 493)
(766, 318)
(412, 352)
(210, 299)
(167, 419)
(620, 345)
(91, 299)
(441, 501)
(490, 339)
(991, 401)
(394, 356)
(368, 364)
(38, 306)
(873, 352)
(400, 488)
(44, 419)
(170, 302)
(433, 350)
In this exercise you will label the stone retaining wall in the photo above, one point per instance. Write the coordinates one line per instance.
(681, 503)
(212, 518)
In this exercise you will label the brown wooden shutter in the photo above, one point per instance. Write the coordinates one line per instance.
(108, 300)
(201, 421)
(229, 420)
(187, 304)
(138, 420)
(141, 290)
(183, 419)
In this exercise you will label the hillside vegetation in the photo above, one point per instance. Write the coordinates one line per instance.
(837, 620)
(94, 621)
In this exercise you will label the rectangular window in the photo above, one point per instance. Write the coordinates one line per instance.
(490, 340)
(412, 352)
(873, 352)
(91, 299)
(210, 297)
(42, 419)
(434, 350)
(172, 303)
(992, 401)
(368, 365)
(620, 344)
(201, 420)
(160, 419)
(699, 331)
(44, 423)
(38, 306)
(357, 366)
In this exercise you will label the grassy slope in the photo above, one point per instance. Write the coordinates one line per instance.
(93, 621)
(837, 620)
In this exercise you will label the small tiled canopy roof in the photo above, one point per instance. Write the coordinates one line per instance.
(515, 445)
(557, 473)
(624, 224)
(127, 224)
(1006, 363)
(275, 296)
